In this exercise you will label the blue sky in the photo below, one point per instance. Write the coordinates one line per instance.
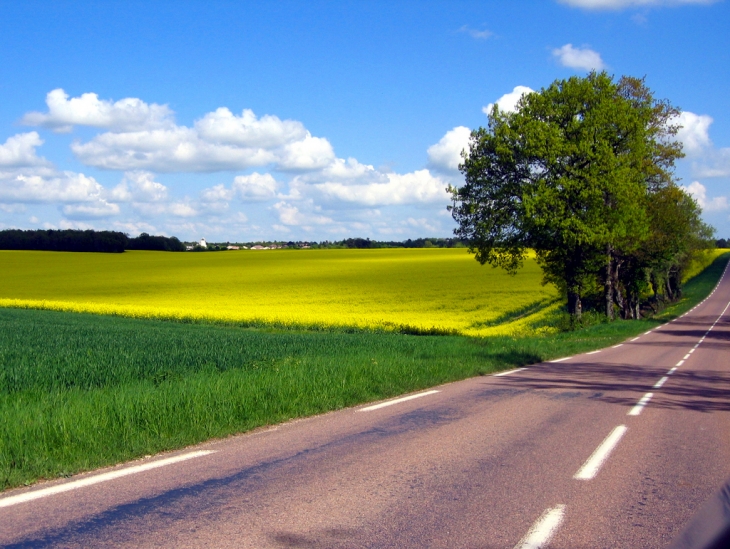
(240, 121)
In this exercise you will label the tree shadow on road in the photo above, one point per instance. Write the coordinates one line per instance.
(698, 390)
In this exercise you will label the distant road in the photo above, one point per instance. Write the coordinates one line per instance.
(616, 448)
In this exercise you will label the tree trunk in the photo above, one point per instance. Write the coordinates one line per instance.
(619, 297)
(574, 305)
(655, 291)
(609, 282)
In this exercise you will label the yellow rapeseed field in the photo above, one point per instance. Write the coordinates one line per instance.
(416, 289)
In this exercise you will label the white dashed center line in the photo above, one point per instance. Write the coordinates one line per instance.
(543, 530)
(661, 382)
(636, 410)
(593, 464)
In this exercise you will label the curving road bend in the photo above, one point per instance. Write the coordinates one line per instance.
(616, 448)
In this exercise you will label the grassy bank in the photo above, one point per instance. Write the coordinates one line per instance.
(81, 391)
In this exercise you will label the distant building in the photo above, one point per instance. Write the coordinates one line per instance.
(202, 243)
(233, 247)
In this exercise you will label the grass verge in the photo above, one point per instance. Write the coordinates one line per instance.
(82, 391)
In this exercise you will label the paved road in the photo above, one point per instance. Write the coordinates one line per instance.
(561, 453)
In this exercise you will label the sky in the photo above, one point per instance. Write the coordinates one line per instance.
(316, 120)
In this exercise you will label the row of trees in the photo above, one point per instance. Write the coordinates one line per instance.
(84, 241)
(583, 174)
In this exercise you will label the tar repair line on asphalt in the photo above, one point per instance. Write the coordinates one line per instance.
(396, 401)
(543, 530)
(96, 479)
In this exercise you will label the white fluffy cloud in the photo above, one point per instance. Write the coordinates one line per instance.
(707, 161)
(127, 114)
(143, 140)
(694, 133)
(579, 58)
(64, 188)
(699, 193)
(419, 187)
(620, 4)
(19, 151)
(508, 102)
(145, 136)
(291, 215)
(139, 186)
(255, 187)
(446, 154)
(222, 126)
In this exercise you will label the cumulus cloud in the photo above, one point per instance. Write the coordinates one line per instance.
(699, 192)
(177, 149)
(144, 136)
(255, 187)
(508, 102)
(417, 187)
(621, 4)
(291, 215)
(707, 161)
(64, 188)
(446, 154)
(127, 114)
(222, 126)
(19, 151)
(694, 133)
(579, 58)
(139, 186)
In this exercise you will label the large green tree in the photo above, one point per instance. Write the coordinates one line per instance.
(569, 174)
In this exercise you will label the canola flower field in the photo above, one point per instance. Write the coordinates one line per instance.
(418, 291)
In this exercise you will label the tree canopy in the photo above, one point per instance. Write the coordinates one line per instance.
(582, 172)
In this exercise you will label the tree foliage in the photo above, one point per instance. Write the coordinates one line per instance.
(581, 173)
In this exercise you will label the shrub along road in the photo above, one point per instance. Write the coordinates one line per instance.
(615, 448)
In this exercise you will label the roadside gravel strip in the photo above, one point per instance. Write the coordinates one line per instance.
(613, 448)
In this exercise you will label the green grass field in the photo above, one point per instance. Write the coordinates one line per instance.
(79, 391)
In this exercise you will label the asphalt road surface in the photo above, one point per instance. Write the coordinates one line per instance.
(616, 448)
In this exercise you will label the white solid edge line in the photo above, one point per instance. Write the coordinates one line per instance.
(636, 410)
(96, 479)
(561, 359)
(543, 530)
(598, 457)
(661, 382)
(396, 401)
(500, 374)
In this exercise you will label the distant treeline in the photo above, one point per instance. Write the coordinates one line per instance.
(70, 240)
(417, 243)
